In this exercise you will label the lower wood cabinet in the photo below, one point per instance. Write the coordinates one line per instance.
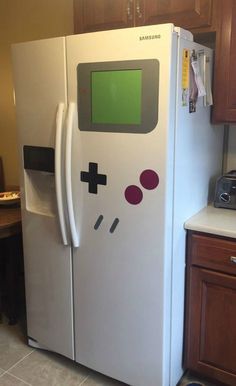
(210, 328)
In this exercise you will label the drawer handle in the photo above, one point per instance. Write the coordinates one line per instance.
(233, 259)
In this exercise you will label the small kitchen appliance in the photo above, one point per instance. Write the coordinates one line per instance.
(225, 193)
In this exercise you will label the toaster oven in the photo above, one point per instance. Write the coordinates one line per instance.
(225, 192)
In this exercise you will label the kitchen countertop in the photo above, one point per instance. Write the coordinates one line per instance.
(217, 221)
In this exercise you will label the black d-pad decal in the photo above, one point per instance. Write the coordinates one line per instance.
(93, 178)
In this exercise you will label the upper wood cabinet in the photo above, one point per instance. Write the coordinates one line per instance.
(96, 15)
(225, 59)
(188, 14)
(211, 21)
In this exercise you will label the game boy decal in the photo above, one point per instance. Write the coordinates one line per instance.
(112, 227)
(93, 178)
(118, 96)
(133, 194)
(149, 180)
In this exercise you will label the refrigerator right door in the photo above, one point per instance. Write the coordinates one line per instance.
(124, 87)
(198, 163)
(40, 89)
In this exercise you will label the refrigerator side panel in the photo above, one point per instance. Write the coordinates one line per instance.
(122, 268)
(40, 85)
(198, 161)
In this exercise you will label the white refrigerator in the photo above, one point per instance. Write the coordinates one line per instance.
(112, 164)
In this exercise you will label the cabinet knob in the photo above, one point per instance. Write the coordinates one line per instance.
(138, 9)
(233, 259)
(129, 9)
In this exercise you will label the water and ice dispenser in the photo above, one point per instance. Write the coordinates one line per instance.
(39, 180)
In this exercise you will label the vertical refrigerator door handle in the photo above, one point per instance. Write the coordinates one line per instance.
(58, 172)
(69, 129)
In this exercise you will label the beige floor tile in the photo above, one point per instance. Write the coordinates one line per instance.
(13, 345)
(8, 380)
(46, 369)
(1, 371)
(96, 379)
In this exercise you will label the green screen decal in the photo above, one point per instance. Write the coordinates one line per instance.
(116, 96)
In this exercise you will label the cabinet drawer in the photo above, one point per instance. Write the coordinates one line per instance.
(212, 252)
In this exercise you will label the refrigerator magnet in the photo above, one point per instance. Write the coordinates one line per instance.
(185, 76)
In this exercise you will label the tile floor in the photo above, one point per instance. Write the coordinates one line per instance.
(22, 365)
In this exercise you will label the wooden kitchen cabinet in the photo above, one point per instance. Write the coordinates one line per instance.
(96, 15)
(210, 334)
(225, 74)
(213, 23)
(188, 14)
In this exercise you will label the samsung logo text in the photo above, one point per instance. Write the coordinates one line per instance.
(149, 37)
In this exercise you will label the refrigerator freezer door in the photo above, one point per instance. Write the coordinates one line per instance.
(40, 87)
(122, 269)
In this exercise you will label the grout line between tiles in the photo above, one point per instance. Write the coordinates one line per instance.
(7, 371)
(19, 379)
(4, 372)
(84, 380)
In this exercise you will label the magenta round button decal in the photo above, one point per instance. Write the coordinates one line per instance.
(133, 194)
(149, 179)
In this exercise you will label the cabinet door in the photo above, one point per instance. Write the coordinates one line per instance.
(225, 74)
(187, 14)
(98, 15)
(210, 325)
